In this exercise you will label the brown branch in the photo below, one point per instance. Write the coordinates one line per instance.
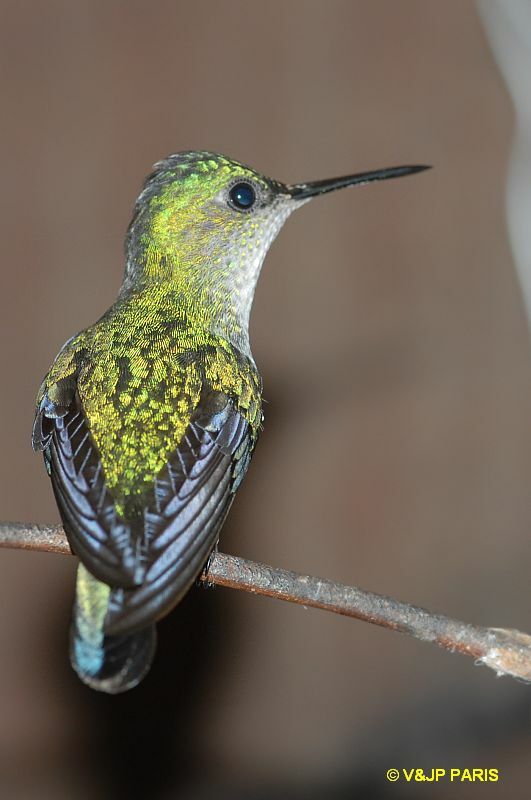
(506, 651)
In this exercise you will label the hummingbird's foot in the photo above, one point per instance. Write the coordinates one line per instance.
(203, 580)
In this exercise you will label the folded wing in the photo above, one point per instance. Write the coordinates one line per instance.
(152, 560)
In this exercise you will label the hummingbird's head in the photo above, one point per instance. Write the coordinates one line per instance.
(203, 224)
(204, 212)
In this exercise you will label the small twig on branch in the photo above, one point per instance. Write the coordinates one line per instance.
(506, 651)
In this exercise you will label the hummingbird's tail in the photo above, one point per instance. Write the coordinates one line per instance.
(109, 663)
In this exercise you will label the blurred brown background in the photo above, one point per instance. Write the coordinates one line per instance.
(390, 332)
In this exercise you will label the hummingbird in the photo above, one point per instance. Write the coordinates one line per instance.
(148, 419)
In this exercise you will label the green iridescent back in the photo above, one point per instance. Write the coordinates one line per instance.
(141, 371)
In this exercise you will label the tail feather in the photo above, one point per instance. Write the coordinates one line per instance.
(109, 663)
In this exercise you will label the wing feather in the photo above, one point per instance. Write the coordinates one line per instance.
(191, 501)
(96, 532)
(152, 561)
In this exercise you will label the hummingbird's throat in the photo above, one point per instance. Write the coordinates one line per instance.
(213, 270)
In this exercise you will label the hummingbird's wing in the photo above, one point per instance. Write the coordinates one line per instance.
(191, 497)
(152, 561)
(95, 531)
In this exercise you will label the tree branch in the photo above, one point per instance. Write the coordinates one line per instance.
(506, 651)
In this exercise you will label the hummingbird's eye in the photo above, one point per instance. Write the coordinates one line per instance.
(242, 196)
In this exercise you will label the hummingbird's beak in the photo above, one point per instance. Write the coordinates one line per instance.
(303, 191)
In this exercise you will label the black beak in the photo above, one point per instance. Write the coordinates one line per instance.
(302, 191)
